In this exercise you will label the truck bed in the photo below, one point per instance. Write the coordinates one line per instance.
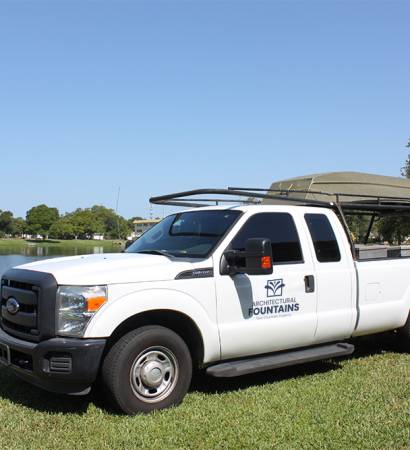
(383, 293)
(371, 252)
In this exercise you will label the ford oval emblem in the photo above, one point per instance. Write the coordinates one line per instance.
(12, 305)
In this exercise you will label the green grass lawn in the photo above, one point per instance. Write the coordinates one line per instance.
(359, 402)
(62, 243)
(19, 245)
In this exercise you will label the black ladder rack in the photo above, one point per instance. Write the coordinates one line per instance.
(248, 197)
(363, 202)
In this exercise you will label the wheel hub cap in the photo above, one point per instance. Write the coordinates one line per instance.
(151, 374)
(154, 374)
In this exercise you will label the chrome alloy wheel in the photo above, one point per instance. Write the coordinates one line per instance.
(154, 374)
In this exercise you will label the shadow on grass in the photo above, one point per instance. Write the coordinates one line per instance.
(209, 385)
(43, 241)
(364, 347)
(21, 393)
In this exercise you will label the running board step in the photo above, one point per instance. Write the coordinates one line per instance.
(259, 364)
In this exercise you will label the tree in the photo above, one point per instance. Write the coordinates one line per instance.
(6, 222)
(19, 226)
(81, 223)
(10, 225)
(122, 230)
(358, 226)
(405, 170)
(115, 226)
(62, 229)
(394, 228)
(85, 223)
(40, 218)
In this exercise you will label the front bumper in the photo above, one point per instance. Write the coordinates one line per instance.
(63, 365)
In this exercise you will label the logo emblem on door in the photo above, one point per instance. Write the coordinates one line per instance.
(274, 288)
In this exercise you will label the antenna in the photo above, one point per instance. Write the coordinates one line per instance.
(116, 212)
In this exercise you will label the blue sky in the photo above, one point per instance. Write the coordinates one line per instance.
(162, 96)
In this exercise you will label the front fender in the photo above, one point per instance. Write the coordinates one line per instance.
(115, 312)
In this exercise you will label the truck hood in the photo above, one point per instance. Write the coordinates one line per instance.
(112, 268)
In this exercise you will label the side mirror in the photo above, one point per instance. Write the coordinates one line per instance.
(256, 259)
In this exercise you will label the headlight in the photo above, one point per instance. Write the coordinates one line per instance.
(76, 305)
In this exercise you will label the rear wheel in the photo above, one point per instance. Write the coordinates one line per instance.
(403, 335)
(147, 369)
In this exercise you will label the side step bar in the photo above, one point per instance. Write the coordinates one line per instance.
(275, 361)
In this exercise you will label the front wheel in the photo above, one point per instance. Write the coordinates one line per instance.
(147, 369)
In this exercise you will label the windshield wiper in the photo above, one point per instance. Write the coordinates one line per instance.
(156, 252)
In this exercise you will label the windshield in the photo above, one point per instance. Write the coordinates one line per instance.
(189, 234)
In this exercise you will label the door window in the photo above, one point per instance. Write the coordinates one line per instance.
(280, 229)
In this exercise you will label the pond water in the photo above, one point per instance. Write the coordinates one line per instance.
(9, 261)
(14, 256)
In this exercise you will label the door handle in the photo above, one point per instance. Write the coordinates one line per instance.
(309, 284)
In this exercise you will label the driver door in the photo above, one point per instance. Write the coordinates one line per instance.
(265, 313)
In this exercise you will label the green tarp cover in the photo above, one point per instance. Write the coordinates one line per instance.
(343, 182)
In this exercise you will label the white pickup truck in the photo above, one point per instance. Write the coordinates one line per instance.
(228, 289)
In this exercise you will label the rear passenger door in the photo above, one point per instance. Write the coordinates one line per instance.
(266, 313)
(335, 277)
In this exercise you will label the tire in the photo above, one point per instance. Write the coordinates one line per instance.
(147, 369)
(403, 335)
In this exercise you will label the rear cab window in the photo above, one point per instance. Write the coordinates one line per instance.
(323, 238)
(280, 228)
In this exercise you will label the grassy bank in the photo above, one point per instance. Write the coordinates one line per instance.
(22, 244)
(359, 402)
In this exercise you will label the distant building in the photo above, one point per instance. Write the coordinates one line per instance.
(30, 236)
(98, 237)
(142, 225)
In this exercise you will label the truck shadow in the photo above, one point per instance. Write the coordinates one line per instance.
(210, 385)
(20, 393)
(364, 347)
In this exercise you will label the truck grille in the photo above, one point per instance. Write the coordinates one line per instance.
(23, 323)
(27, 302)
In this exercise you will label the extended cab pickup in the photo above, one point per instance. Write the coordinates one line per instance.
(231, 290)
